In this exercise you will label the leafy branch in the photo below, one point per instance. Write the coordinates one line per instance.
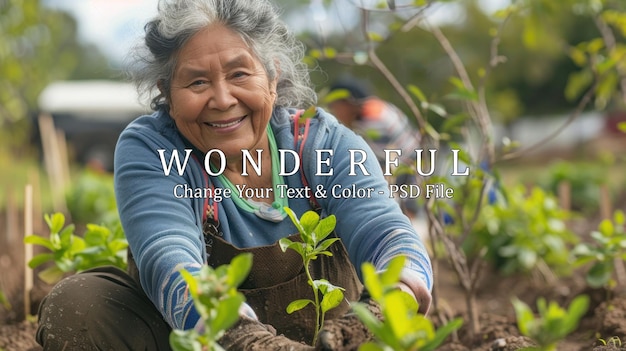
(70, 253)
(215, 296)
(313, 233)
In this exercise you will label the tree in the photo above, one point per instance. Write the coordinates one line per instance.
(38, 45)
(461, 95)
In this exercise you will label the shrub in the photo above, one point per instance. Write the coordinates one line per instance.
(70, 253)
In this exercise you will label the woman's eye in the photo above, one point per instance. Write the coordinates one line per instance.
(197, 82)
(239, 74)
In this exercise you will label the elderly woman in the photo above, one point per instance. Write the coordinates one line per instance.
(227, 75)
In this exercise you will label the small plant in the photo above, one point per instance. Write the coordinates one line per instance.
(613, 341)
(525, 232)
(402, 327)
(553, 324)
(91, 198)
(584, 180)
(608, 249)
(99, 246)
(314, 232)
(215, 296)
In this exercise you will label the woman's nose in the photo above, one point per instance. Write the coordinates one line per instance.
(222, 97)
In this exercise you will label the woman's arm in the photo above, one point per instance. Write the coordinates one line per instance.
(163, 231)
(372, 228)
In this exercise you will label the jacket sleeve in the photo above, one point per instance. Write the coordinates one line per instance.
(163, 231)
(372, 227)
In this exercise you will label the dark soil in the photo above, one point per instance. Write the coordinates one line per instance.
(606, 318)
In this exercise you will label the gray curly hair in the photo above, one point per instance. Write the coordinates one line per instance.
(255, 20)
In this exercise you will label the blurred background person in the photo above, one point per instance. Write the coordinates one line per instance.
(383, 126)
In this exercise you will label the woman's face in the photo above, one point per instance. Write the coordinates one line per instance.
(221, 97)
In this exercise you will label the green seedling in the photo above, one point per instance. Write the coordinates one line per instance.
(613, 341)
(98, 246)
(215, 296)
(313, 233)
(402, 328)
(609, 246)
(553, 324)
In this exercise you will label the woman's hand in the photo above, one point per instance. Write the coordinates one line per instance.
(418, 290)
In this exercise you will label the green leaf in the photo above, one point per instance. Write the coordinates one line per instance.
(413, 89)
(297, 305)
(40, 259)
(367, 318)
(191, 281)
(370, 346)
(294, 220)
(325, 245)
(576, 310)
(524, 316)
(441, 334)
(330, 52)
(375, 37)
(599, 274)
(325, 227)
(55, 222)
(452, 123)
(577, 82)
(184, 340)
(297, 246)
(96, 234)
(38, 240)
(618, 216)
(336, 95)
(238, 269)
(606, 227)
(309, 221)
(331, 299)
(372, 282)
(391, 275)
(397, 312)
(227, 315)
(438, 109)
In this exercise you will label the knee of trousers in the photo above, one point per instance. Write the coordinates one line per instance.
(100, 309)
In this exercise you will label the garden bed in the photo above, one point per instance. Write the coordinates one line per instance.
(605, 319)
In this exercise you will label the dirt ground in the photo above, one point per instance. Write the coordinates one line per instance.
(605, 319)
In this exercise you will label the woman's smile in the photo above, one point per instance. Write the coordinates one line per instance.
(224, 126)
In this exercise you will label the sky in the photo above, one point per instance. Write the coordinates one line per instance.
(115, 25)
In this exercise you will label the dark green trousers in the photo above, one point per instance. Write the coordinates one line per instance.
(100, 309)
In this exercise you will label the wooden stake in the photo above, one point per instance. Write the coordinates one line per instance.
(28, 248)
(565, 195)
(53, 161)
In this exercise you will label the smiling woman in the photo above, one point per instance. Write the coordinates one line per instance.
(220, 96)
(228, 75)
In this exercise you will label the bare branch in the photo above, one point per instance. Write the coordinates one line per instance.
(392, 79)
(573, 116)
(479, 108)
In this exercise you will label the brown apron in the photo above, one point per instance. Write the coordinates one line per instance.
(277, 278)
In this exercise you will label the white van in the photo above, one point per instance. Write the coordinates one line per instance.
(92, 114)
